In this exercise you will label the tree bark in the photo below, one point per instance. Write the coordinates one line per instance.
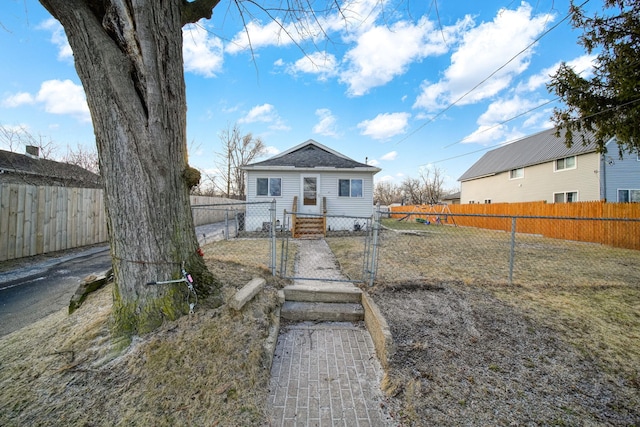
(128, 55)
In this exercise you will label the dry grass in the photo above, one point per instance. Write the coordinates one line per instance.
(586, 294)
(557, 347)
(209, 368)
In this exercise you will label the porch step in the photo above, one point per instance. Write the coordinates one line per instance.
(326, 302)
(309, 227)
(335, 293)
(322, 311)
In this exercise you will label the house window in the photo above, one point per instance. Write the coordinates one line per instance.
(567, 197)
(516, 173)
(566, 163)
(625, 196)
(350, 187)
(269, 187)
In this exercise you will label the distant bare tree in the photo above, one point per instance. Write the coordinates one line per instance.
(386, 193)
(206, 186)
(432, 179)
(83, 157)
(426, 189)
(413, 192)
(237, 150)
(17, 138)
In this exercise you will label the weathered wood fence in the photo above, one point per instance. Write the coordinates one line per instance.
(38, 219)
(613, 224)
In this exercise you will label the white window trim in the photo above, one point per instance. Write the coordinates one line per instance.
(268, 178)
(565, 196)
(555, 164)
(625, 189)
(517, 177)
(350, 181)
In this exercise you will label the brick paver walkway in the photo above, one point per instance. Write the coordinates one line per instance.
(326, 374)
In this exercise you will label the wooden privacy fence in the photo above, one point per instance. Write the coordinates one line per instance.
(613, 224)
(37, 219)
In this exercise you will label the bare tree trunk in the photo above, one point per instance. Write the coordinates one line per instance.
(128, 55)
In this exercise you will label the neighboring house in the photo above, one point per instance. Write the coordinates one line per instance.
(318, 179)
(541, 167)
(32, 170)
(452, 199)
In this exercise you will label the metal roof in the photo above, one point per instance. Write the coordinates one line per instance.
(540, 148)
(310, 154)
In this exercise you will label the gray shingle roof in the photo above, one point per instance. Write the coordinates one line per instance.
(23, 169)
(310, 154)
(540, 148)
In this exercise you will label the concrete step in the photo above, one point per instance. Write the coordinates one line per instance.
(322, 311)
(323, 292)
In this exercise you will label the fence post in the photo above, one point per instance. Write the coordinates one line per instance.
(226, 224)
(374, 252)
(512, 253)
(272, 211)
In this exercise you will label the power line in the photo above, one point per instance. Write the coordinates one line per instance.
(529, 46)
(505, 121)
(633, 101)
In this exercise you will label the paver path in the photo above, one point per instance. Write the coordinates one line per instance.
(325, 373)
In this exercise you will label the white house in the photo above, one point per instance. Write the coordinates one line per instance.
(541, 167)
(319, 180)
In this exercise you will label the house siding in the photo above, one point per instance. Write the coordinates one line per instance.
(328, 187)
(619, 173)
(540, 182)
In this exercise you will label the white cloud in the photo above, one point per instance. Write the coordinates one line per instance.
(490, 127)
(260, 113)
(57, 97)
(270, 151)
(385, 125)
(582, 65)
(505, 109)
(255, 36)
(58, 38)
(265, 113)
(499, 46)
(202, 52)
(18, 99)
(390, 156)
(64, 97)
(327, 124)
(372, 162)
(322, 64)
(352, 17)
(384, 52)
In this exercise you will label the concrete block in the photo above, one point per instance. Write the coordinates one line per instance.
(247, 292)
(322, 311)
(379, 330)
(88, 285)
(323, 292)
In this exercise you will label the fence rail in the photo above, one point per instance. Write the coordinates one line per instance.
(554, 220)
(39, 219)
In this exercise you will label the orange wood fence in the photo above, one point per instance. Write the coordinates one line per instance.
(613, 224)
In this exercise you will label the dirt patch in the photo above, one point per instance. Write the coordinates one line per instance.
(465, 357)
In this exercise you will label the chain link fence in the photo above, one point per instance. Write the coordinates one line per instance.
(350, 237)
(411, 247)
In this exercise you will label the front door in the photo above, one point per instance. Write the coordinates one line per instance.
(310, 184)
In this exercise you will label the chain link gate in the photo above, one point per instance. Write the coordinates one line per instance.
(331, 228)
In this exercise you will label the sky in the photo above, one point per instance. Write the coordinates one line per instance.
(404, 86)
